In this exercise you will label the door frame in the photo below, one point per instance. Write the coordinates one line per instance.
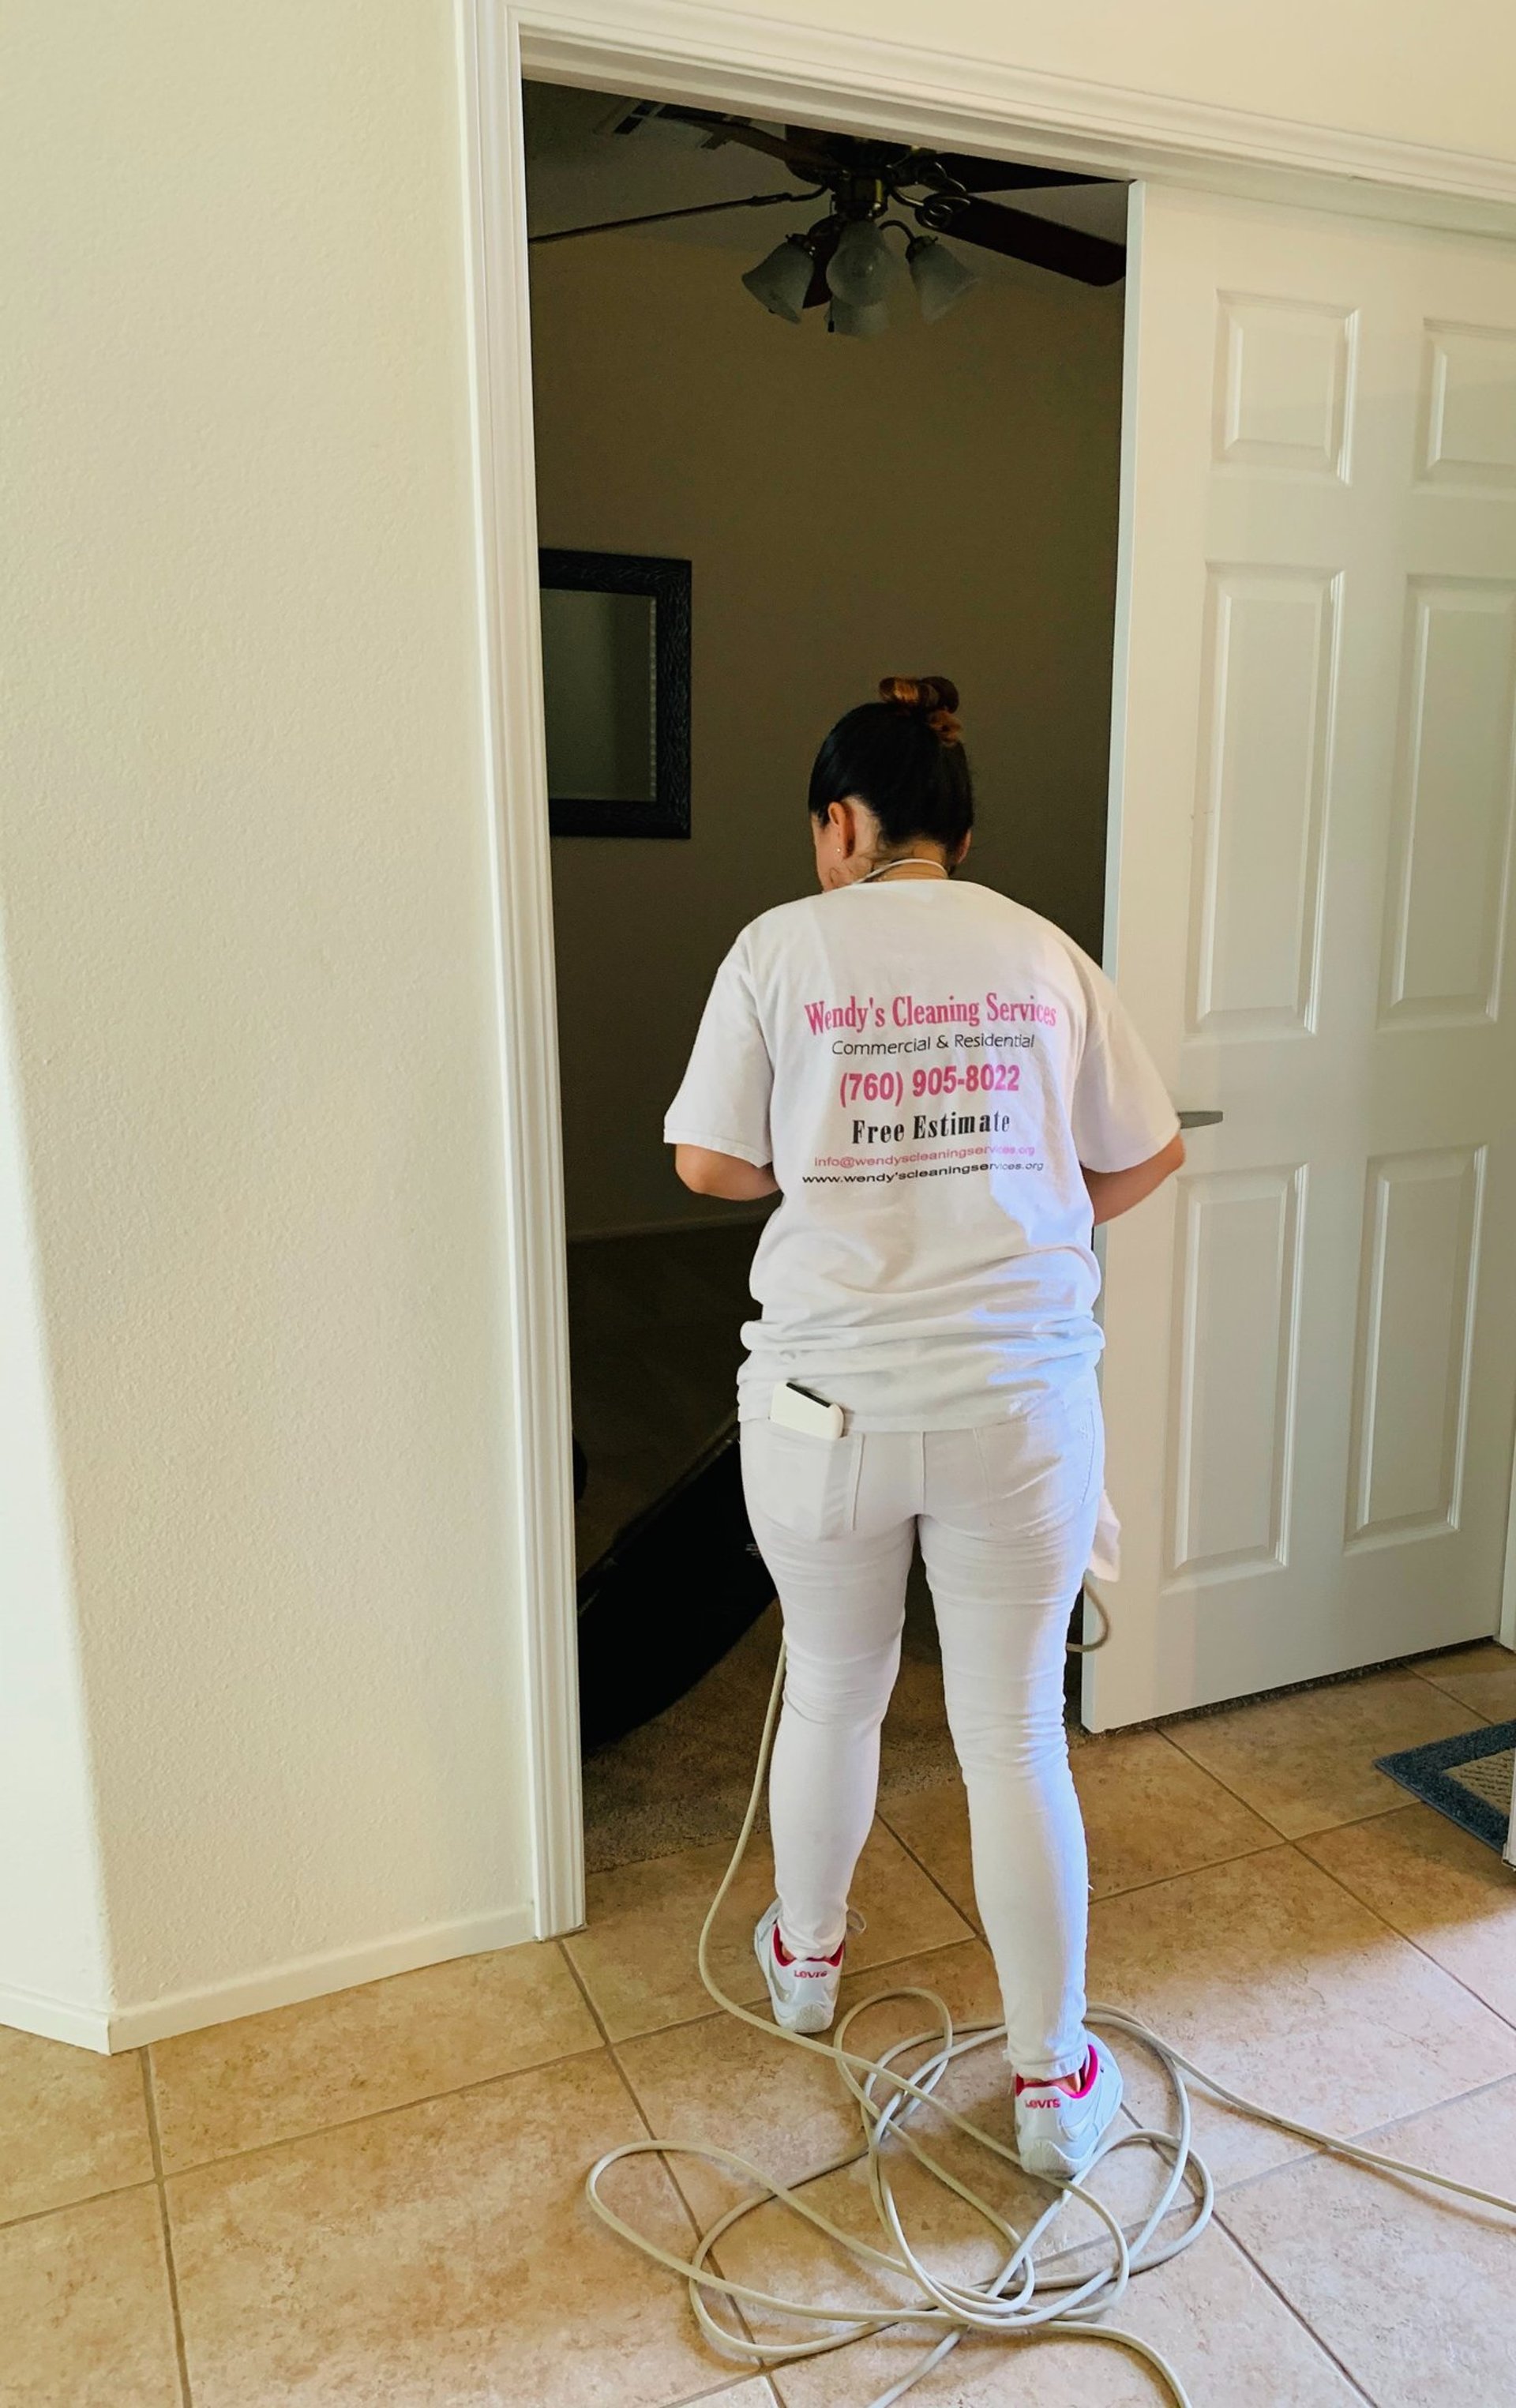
(686, 50)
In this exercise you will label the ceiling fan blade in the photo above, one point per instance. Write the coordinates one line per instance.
(1016, 235)
(662, 217)
(998, 176)
(800, 149)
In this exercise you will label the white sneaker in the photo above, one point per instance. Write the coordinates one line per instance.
(804, 1990)
(1058, 2130)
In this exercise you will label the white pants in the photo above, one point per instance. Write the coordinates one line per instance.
(1006, 1515)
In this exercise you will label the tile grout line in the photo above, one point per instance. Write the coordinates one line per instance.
(630, 2087)
(349, 2123)
(1434, 2107)
(1409, 1937)
(1301, 2319)
(698, 2398)
(885, 1964)
(688, 2022)
(677, 2188)
(1400, 1803)
(1097, 1898)
(1188, 1873)
(1262, 1815)
(1267, 2173)
(150, 2100)
(1464, 1702)
(735, 2306)
(583, 1988)
(1275, 1840)
(1171, 1735)
(1315, 2151)
(968, 1914)
(66, 2206)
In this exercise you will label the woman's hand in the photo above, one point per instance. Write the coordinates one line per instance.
(1114, 1192)
(724, 1174)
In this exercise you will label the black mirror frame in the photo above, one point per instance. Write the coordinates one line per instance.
(666, 583)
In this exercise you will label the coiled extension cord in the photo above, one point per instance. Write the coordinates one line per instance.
(1028, 2296)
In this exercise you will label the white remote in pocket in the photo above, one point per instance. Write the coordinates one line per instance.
(797, 1409)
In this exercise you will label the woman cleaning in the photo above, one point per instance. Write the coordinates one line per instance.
(948, 1097)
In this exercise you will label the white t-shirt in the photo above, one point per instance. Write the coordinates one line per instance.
(926, 1064)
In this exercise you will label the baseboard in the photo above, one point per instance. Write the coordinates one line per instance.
(111, 2030)
(32, 2011)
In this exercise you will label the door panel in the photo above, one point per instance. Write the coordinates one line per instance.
(1310, 1376)
(1415, 1327)
(1445, 930)
(1238, 1306)
(1268, 692)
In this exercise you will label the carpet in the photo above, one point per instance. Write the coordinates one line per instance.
(681, 1781)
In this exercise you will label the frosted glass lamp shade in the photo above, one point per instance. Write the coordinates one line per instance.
(860, 269)
(938, 275)
(865, 318)
(783, 280)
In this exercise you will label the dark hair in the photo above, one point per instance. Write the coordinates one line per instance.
(903, 757)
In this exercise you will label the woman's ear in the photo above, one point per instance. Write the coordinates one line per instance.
(962, 853)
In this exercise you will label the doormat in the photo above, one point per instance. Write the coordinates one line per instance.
(1468, 1778)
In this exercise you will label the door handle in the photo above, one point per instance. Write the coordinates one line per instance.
(1199, 1120)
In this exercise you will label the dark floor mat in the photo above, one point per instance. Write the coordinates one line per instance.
(1468, 1778)
(669, 1597)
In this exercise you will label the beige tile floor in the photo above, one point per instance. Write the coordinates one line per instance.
(378, 2197)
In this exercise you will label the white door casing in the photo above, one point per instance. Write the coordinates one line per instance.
(1310, 1376)
(728, 58)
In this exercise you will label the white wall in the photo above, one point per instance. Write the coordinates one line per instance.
(246, 881)
(943, 499)
(243, 874)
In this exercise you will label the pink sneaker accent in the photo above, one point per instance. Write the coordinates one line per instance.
(803, 1989)
(1060, 2126)
(1072, 2089)
(786, 1956)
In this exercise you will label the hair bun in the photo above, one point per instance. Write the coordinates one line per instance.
(934, 698)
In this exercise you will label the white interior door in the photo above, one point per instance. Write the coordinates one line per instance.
(1311, 1375)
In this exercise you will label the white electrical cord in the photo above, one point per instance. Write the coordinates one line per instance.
(1028, 2296)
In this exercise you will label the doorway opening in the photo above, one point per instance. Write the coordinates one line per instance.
(938, 493)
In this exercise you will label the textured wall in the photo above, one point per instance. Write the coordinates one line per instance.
(245, 880)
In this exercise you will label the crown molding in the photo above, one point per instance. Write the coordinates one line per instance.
(678, 49)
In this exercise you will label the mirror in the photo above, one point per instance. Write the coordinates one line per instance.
(597, 679)
(616, 692)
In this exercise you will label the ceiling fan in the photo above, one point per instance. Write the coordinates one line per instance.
(842, 263)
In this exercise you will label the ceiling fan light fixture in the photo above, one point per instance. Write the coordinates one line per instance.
(783, 280)
(938, 275)
(862, 267)
(864, 318)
